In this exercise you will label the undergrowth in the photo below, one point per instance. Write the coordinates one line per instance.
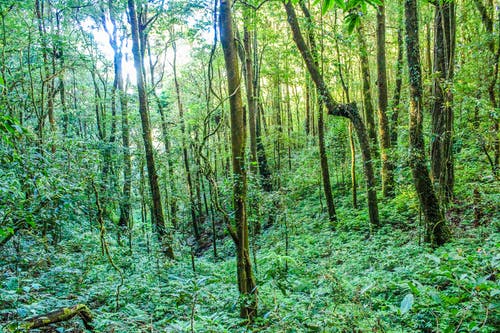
(311, 277)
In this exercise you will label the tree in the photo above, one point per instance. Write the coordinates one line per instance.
(442, 168)
(383, 122)
(348, 111)
(146, 133)
(437, 231)
(325, 170)
(487, 18)
(369, 112)
(246, 281)
(119, 91)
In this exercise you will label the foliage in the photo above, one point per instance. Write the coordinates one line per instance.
(310, 276)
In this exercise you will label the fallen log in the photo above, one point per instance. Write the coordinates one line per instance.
(63, 314)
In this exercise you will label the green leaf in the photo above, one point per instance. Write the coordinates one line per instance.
(329, 4)
(406, 303)
(326, 6)
(413, 287)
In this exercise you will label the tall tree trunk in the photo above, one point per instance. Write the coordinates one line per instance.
(185, 153)
(325, 170)
(437, 231)
(395, 103)
(251, 98)
(246, 280)
(47, 91)
(354, 185)
(369, 112)
(172, 201)
(387, 169)
(146, 135)
(118, 89)
(442, 171)
(308, 106)
(493, 89)
(265, 173)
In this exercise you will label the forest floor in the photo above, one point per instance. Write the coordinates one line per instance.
(324, 280)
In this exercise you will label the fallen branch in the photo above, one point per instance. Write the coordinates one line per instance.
(63, 314)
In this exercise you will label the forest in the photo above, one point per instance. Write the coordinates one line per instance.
(249, 166)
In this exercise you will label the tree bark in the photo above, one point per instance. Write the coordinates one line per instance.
(369, 112)
(251, 100)
(246, 281)
(146, 135)
(437, 231)
(442, 166)
(387, 169)
(397, 88)
(493, 89)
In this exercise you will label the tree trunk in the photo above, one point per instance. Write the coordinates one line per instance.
(493, 89)
(265, 173)
(387, 169)
(354, 185)
(397, 88)
(369, 112)
(251, 100)
(146, 135)
(349, 111)
(185, 154)
(246, 280)
(437, 231)
(442, 172)
(325, 170)
(118, 87)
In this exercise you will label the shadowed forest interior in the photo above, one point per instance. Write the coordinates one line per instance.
(249, 166)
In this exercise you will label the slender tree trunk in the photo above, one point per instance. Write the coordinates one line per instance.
(397, 88)
(146, 135)
(387, 169)
(47, 91)
(119, 91)
(325, 170)
(246, 280)
(367, 93)
(437, 231)
(354, 185)
(185, 153)
(251, 98)
(308, 106)
(493, 89)
(265, 173)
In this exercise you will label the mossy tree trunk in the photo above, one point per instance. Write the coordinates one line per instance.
(387, 169)
(437, 231)
(442, 166)
(246, 281)
(369, 112)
